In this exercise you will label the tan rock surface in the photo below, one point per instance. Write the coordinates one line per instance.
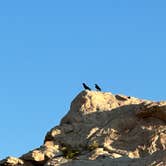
(104, 129)
(11, 161)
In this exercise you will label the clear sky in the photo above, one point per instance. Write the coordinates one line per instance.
(48, 48)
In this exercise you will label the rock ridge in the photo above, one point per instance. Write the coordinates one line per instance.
(103, 129)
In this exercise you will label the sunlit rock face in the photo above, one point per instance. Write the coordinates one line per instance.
(103, 129)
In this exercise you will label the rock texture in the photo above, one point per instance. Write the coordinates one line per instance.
(103, 129)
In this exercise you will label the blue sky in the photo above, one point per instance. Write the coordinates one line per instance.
(47, 49)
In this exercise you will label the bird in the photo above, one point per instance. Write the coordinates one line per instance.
(97, 87)
(85, 86)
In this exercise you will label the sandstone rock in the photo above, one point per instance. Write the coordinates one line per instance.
(35, 155)
(98, 152)
(105, 129)
(57, 161)
(52, 151)
(11, 161)
(154, 109)
(156, 159)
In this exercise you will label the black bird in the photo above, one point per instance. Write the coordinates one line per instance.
(86, 87)
(97, 87)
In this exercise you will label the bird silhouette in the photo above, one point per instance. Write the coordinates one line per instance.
(86, 87)
(97, 87)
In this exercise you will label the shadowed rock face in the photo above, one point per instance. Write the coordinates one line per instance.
(103, 129)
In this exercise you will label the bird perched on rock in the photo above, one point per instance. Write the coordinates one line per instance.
(97, 87)
(85, 86)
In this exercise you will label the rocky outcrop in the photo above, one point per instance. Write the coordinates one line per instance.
(103, 129)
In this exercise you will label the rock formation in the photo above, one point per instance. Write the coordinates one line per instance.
(103, 129)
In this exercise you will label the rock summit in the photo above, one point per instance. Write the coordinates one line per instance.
(102, 129)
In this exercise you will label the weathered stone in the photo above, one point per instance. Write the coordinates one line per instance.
(51, 151)
(35, 155)
(153, 109)
(104, 129)
(57, 161)
(11, 161)
(97, 153)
